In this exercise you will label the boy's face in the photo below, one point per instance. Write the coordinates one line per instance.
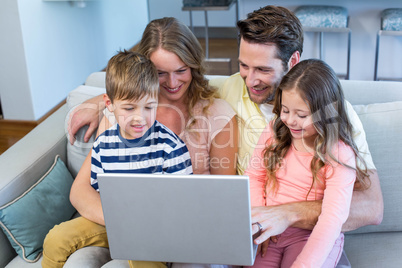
(134, 117)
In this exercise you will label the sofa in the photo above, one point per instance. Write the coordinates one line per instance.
(32, 161)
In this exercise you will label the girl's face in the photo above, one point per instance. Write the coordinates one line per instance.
(174, 76)
(296, 115)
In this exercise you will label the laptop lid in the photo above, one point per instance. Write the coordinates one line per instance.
(178, 218)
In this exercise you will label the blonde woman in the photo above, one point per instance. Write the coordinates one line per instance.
(187, 105)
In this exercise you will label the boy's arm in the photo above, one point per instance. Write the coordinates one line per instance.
(87, 113)
(84, 197)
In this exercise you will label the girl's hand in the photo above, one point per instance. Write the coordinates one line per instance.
(262, 248)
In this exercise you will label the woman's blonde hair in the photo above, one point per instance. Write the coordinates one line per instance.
(319, 86)
(172, 35)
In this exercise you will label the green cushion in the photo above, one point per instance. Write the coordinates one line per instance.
(27, 219)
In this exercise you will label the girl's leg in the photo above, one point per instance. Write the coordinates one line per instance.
(272, 258)
(293, 240)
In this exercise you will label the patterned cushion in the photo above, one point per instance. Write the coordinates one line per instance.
(322, 16)
(391, 19)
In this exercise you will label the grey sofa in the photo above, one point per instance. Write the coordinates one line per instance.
(378, 104)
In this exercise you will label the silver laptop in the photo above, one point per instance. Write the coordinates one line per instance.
(178, 218)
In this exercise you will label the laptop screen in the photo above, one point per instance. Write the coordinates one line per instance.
(178, 218)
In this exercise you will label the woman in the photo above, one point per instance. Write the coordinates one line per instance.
(187, 105)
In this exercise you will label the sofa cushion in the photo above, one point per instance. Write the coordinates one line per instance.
(27, 219)
(382, 123)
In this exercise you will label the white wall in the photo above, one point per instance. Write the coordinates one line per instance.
(49, 48)
(364, 22)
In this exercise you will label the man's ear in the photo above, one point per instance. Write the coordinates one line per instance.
(294, 59)
(108, 103)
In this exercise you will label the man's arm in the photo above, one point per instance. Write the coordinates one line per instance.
(88, 113)
(367, 208)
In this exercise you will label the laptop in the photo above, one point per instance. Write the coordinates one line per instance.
(178, 218)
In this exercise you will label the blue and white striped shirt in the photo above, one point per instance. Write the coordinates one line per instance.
(158, 151)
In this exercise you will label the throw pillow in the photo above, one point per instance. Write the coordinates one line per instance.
(27, 219)
(382, 123)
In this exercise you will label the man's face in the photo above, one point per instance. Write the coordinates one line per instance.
(260, 69)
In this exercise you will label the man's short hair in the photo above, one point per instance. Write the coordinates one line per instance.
(275, 25)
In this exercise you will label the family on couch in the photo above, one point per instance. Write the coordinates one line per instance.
(271, 42)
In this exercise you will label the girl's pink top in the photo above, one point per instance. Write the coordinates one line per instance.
(294, 180)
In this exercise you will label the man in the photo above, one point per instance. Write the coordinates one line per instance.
(271, 42)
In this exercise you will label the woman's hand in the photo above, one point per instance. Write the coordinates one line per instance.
(88, 113)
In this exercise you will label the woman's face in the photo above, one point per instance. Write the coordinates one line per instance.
(174, 76)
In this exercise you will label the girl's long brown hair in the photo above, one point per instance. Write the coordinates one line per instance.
(319, 86)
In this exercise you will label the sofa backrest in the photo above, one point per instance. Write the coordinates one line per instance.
(367, 92)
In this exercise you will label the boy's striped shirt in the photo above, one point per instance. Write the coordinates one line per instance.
(158, 151)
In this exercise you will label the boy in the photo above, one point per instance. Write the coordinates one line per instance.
(137, 143)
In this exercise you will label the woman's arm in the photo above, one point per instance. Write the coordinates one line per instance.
(82, 195)
(88, 113)
(223, 152)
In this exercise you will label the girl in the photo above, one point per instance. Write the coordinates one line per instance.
(307, 153)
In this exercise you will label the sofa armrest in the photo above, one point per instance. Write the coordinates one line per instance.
(96, 79)
(26, 161)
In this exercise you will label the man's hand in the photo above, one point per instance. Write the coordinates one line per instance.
(274, 220)
(88, 113)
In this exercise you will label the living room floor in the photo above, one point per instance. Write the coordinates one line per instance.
(12, 131)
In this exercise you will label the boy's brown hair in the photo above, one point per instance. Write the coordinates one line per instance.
(131, 76)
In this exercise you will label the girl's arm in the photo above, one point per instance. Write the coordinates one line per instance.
(367, 206)
(335, 210)
(257, 172)
(222, 126)
(82, 195)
